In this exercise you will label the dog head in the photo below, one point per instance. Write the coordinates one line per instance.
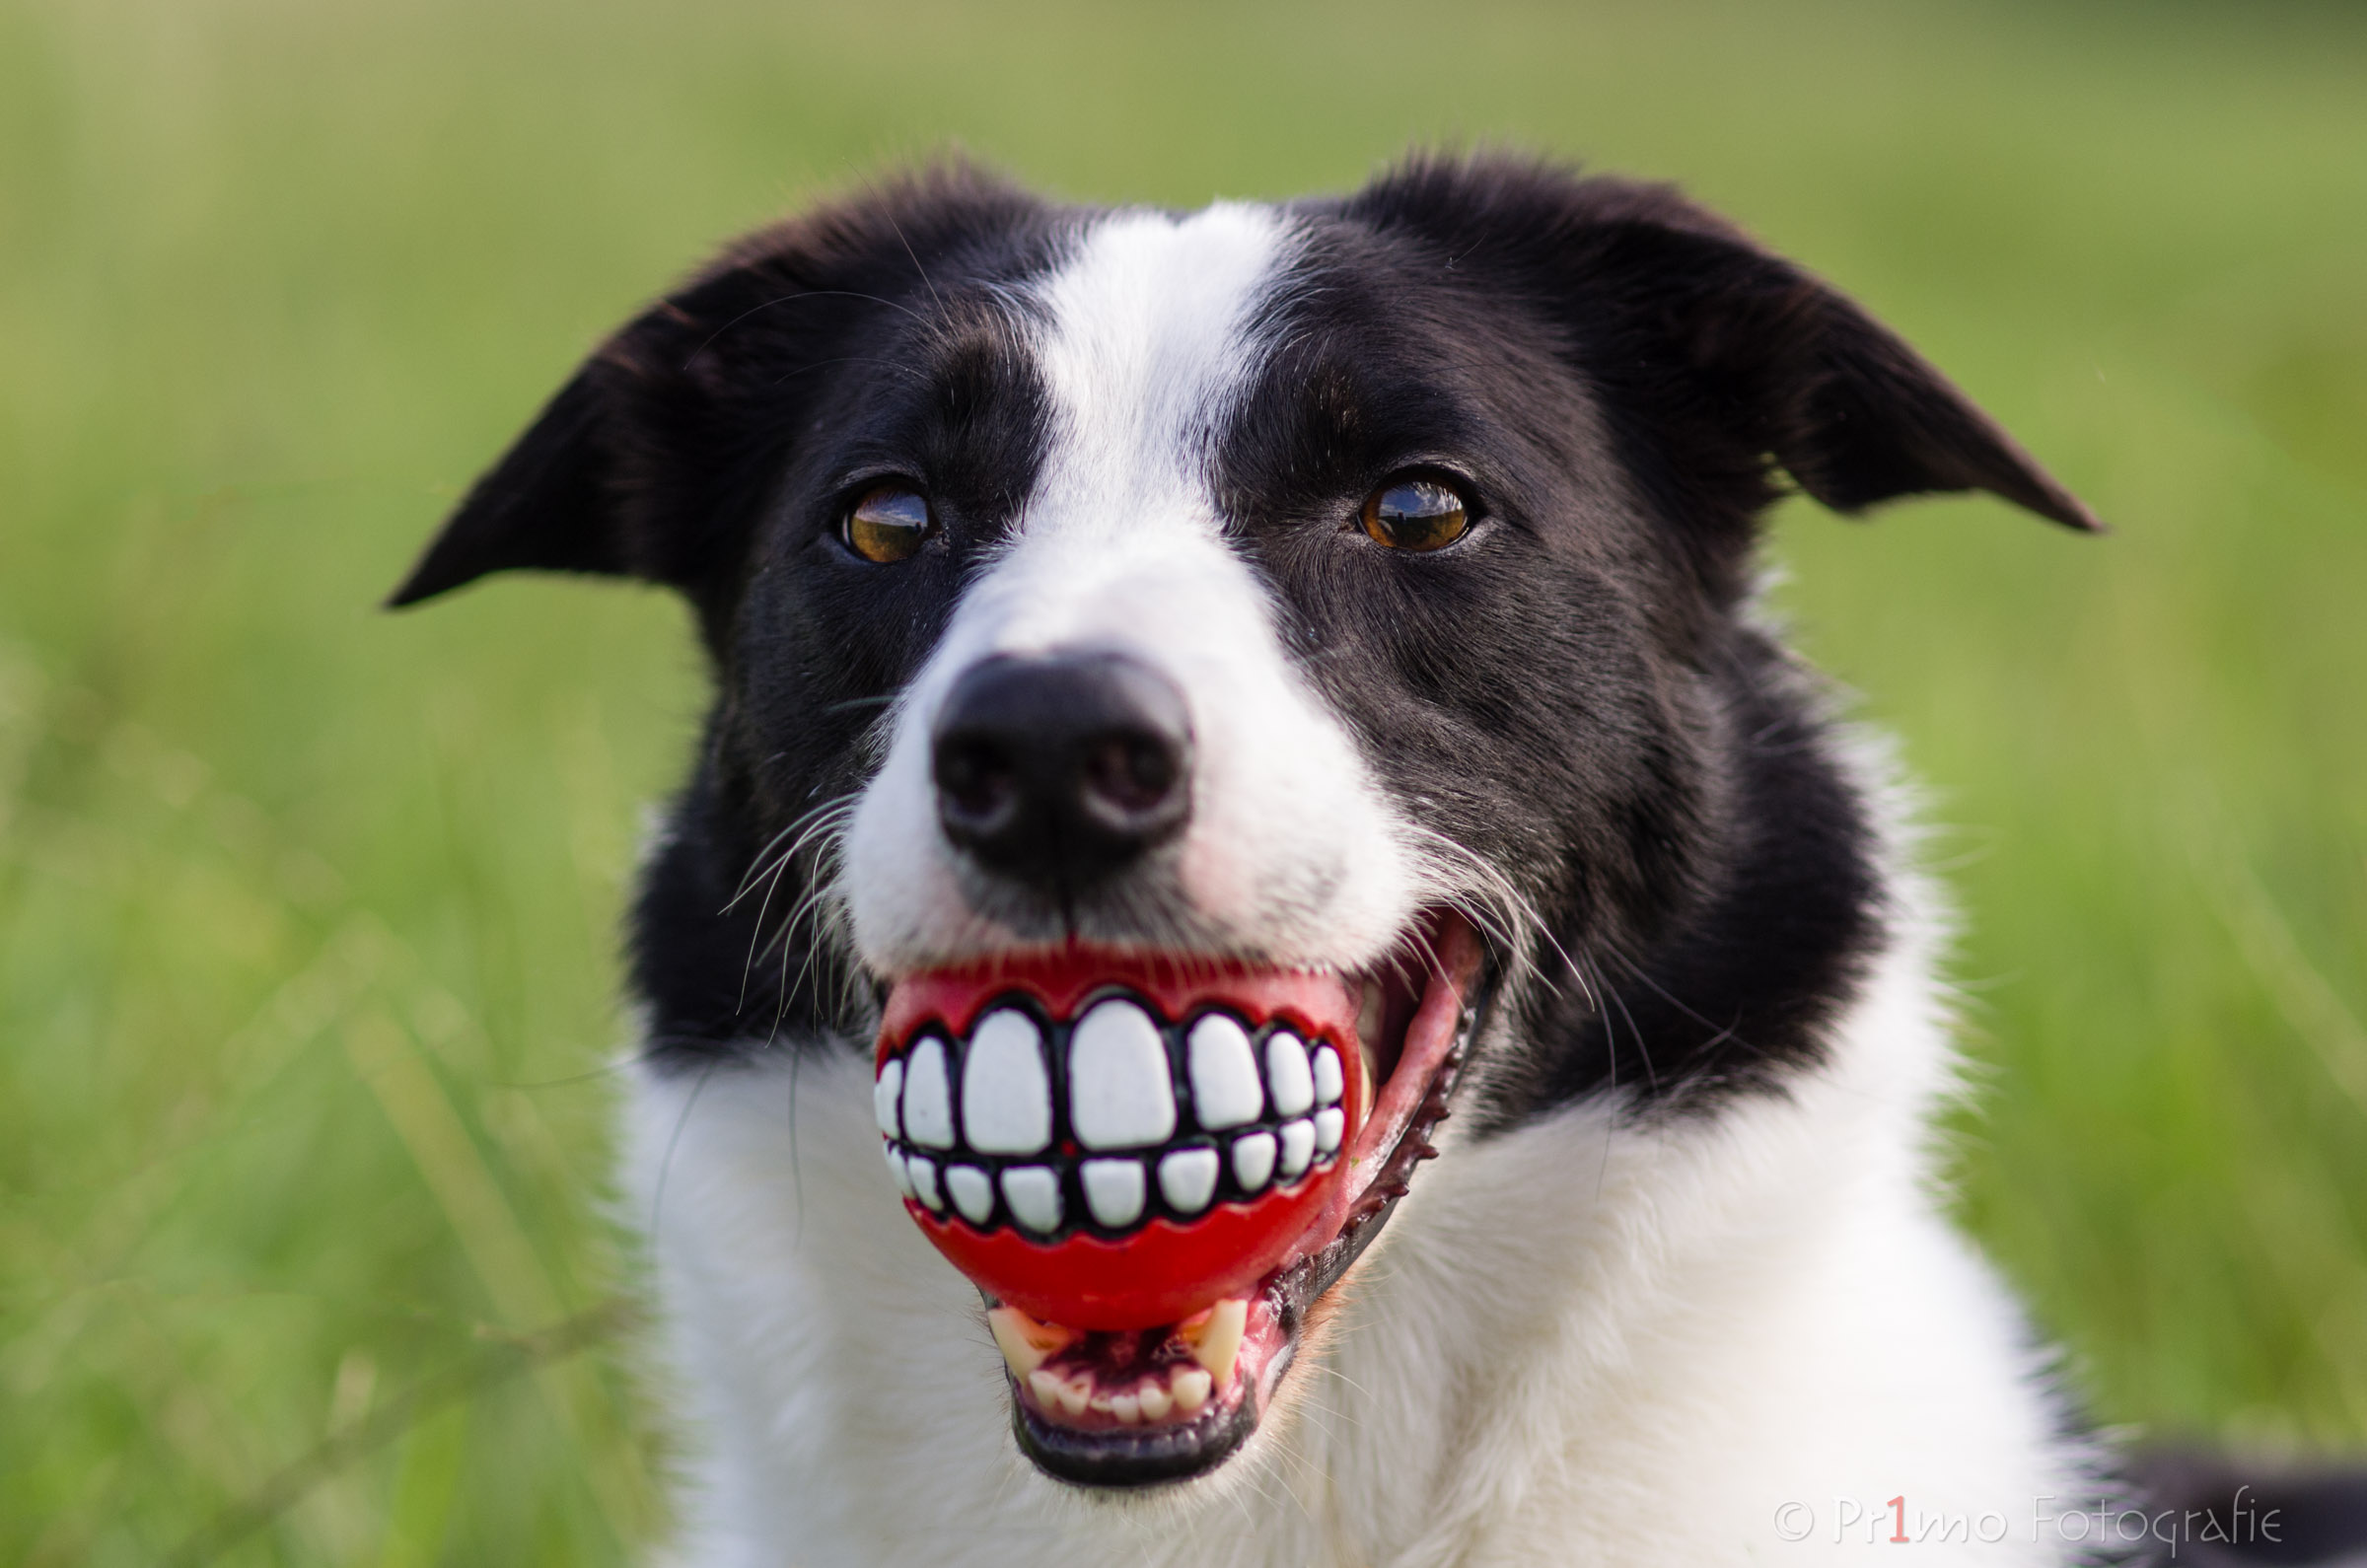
(1193, 688)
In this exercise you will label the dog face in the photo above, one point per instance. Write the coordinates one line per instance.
(1195, 690)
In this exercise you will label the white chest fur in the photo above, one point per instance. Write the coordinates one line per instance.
(1585, 1341)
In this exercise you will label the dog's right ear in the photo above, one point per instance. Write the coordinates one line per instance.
(618, 475)
(547, 505)
(651, 462)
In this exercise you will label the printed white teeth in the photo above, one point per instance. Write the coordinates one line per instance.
(1298, 1147)
(1287, 1074)
(1119, 1096)
(1112, 1191)
(924, 1183)
(1189, 1388)
(1033, 1194)
(1006, 1095)
(1253, 1161)
(1225, 1091)
(1111, 1114)
(970, 1191)
(1188, 1179)
(928, 1096)
(1216, 1339)
(1329, 1084)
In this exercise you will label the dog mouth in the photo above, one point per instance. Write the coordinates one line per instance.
(1155, 1168)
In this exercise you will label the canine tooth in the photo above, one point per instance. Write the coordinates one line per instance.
(928, 1096)
(1126, 1407)
(1188, 1179)
(1298, 1147)
(1189, 1388)
(1254, 1160)
(1225, 1087)
(1329, 1083)
(1215, 1340)
(1329, 1123)
(1119, 1096)
(1287, 1077)
(1026, 1342)
(896, 1169)
(1033, 1194)
(1113, 1190)
(970, 1191)
(1154, 1401)
(884, 1094)
(924, 1183)
(1006, 1095)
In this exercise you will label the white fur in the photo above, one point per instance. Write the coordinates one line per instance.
(1584, 1341)
(1291, 853)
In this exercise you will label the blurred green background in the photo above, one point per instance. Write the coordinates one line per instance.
(308, 915)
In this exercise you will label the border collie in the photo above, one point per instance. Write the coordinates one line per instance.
(1265, 961)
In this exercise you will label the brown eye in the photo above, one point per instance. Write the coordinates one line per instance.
(888, 524)
(1415, 515)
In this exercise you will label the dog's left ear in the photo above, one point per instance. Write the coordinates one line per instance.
(1716, 358)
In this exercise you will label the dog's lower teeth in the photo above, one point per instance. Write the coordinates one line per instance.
(1213, 1340)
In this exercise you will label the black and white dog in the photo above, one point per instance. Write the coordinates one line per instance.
(1214, 710)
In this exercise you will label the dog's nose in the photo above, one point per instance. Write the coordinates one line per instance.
(1058, 769)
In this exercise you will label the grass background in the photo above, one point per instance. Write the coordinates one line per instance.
(308, 915)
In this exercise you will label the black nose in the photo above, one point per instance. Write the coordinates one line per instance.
(1059, 769)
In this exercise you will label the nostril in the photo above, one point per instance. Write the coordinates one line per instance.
(977, 782)
(1129, 776)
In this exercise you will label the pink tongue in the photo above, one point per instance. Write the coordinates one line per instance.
(1158, 1271)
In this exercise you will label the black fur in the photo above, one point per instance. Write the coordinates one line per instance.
(1569, 693)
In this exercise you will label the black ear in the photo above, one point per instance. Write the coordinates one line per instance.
(653, 460)
(626, 470)
(1715, 357)
(546, 505)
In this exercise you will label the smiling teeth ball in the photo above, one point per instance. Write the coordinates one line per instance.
(1113, 1141)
